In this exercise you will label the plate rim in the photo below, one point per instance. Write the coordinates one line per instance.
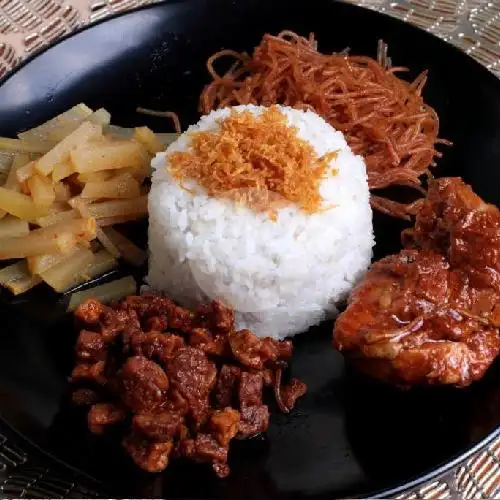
(412, 483)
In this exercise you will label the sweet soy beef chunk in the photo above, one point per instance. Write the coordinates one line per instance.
(187, 381)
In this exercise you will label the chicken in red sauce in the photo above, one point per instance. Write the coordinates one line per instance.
(184, 383)
(431, 314)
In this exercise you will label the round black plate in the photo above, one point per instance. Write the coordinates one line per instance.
(348, 436)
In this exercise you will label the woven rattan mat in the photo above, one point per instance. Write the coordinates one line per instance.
(473, 25)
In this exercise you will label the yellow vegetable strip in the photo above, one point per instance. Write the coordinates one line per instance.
(17, 278)
(136, 207)
(22, 146)
(59, 153)
(39, 263)
(109, 292)
(121, 186)
(100, 117)
(59, 127)
(25, 172)
(106, 156)
(12, 226)
(69, 272)
(12, 183)
(60, 237)
(35, 244)
(62, 170)
(128, 251)
(148, 139)
(41, 190)
(20, 205)
(57, 217)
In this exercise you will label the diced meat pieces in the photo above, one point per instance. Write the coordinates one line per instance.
(184, 383)
(209, 344)
(267, 377)
(181, 319)
(291, 392)
(256, 353)
(192, 373)
(194, 376)
(222, 318)
(156, 323)
(113, 323)
(177, 403)
(90, 347)
(285, 349)
(148, 305)
(85, 397)
(246, 347)
(204, 448)
(250, 390)
(224, 425)
(254, 419)
(229, 375)
(144, 384)
(89, 312)
(156, 346)
(102, 415)
(163, 426)
(149, 456)
(89, 372)
(221, 469)
(208, 449)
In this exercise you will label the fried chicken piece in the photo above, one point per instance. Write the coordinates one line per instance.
(428, 315)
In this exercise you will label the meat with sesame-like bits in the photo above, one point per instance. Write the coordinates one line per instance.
(185, 383)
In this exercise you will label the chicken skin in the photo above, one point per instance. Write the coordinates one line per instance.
(431, 314)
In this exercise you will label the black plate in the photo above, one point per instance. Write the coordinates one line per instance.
(348, 436)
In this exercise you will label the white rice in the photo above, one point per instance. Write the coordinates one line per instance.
(280, 276)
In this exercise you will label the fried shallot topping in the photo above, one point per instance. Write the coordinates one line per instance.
(259, 161)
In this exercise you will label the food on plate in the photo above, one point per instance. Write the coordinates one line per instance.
(266, 209)
(383, 117)
(107, 293)
(64, 184)
(184, 383)
(431, 314)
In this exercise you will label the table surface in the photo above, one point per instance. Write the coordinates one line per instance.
(27, 25)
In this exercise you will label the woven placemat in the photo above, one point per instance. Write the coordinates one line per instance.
(27, 25)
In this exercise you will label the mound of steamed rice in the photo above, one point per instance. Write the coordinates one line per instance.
(280, 276)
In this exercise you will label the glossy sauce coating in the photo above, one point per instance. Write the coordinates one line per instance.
(430, 314)
(182, 383)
